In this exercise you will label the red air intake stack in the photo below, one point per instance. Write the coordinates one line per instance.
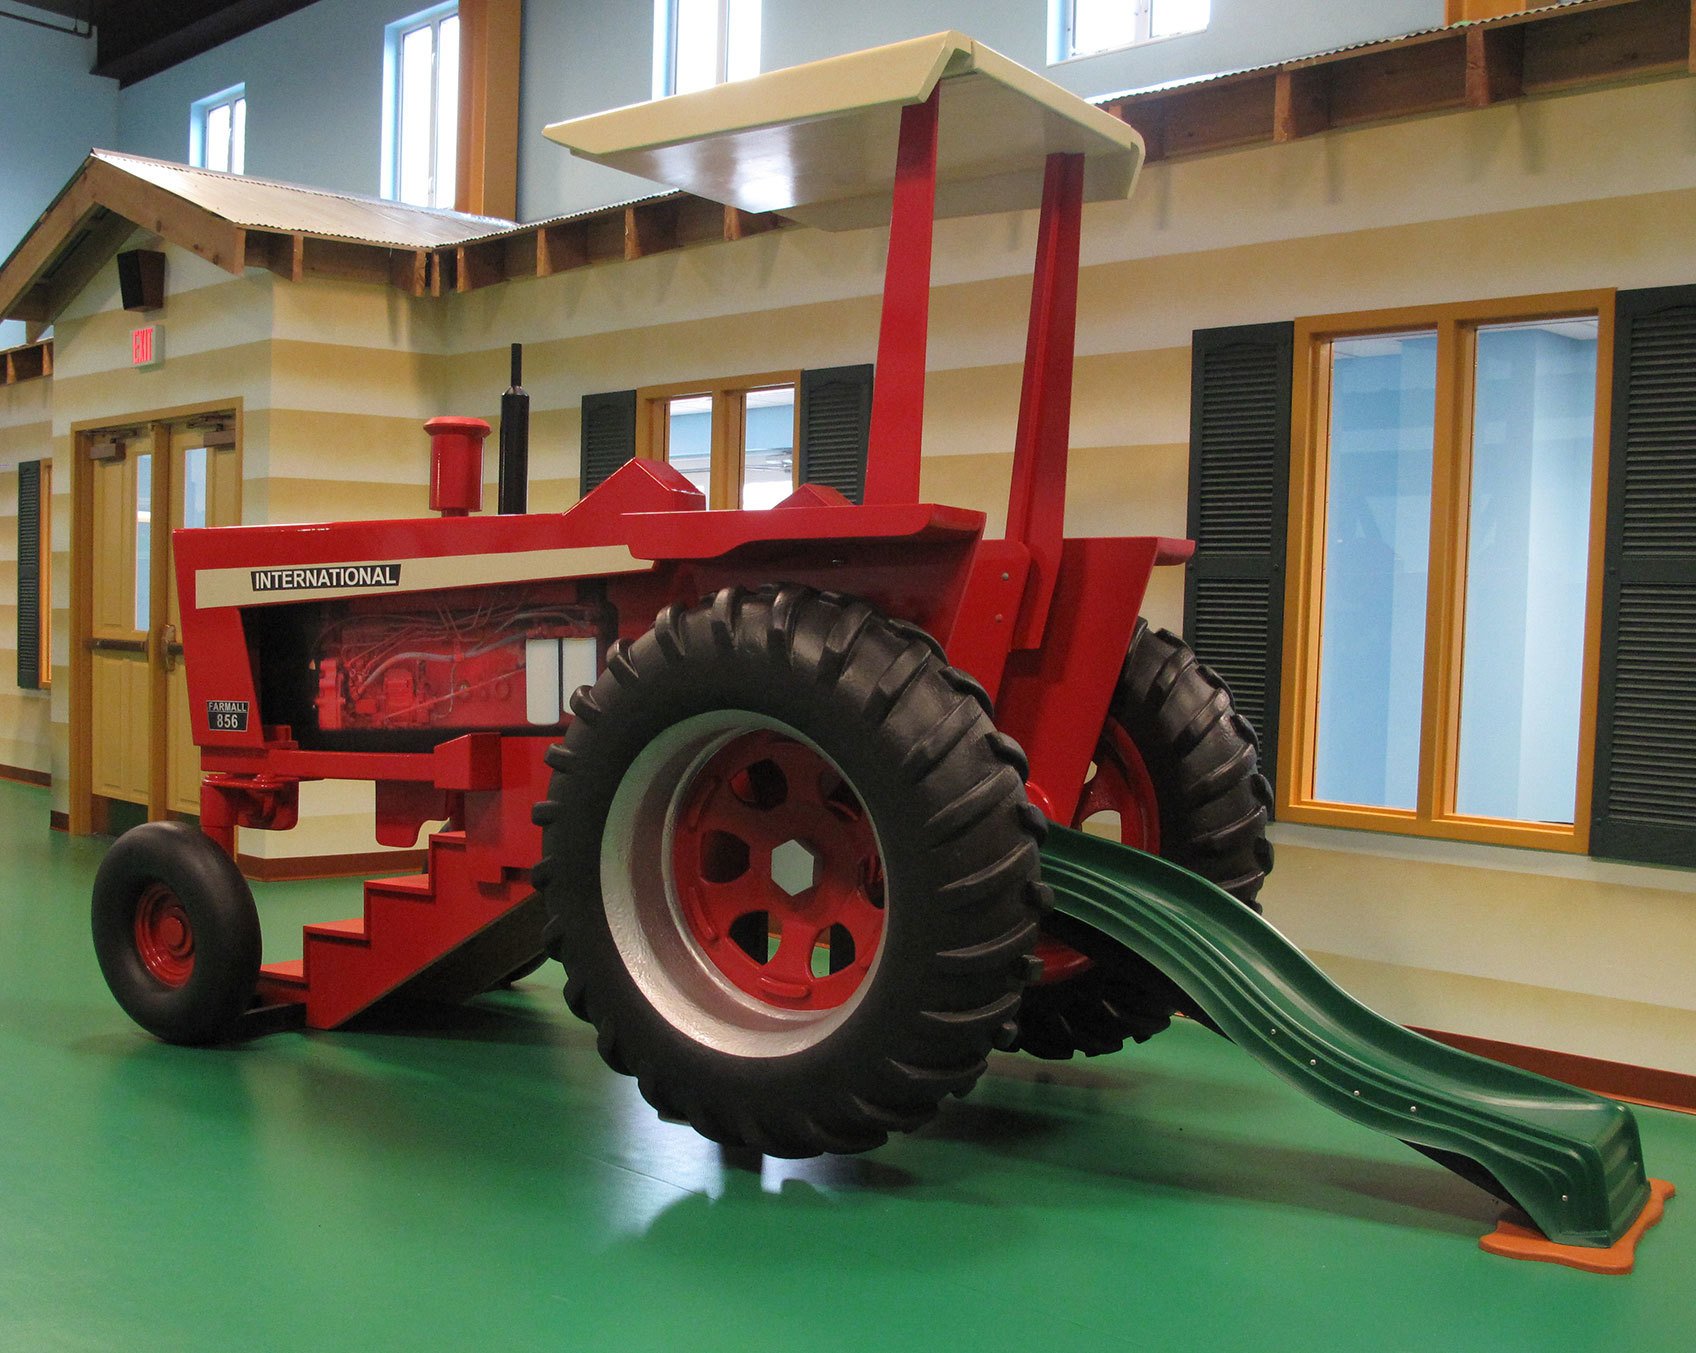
(456, 465)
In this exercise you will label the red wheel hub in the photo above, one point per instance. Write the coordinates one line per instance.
(1119, 784)
(778, 873)
(163, 936)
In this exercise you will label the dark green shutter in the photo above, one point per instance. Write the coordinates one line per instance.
(1239, 492)
(1645, 783)
(836, 419)
(608, 436)
(30, 656)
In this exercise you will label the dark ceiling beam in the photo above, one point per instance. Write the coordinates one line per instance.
(139, 38)
(71, 9)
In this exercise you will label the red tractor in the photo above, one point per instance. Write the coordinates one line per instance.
(774, 785)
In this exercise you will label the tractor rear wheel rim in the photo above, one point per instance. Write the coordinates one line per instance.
(759, 926)
(778, 872)
(1119, 784)
(164, 936)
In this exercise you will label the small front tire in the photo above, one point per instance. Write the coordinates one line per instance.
(176, 932)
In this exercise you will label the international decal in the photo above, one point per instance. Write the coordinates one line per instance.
(317, 577)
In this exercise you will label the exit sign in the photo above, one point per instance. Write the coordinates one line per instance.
(147, 345)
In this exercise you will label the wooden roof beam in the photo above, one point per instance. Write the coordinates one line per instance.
(21, 275)
(1301, 103)
(409, 271)
(86, 252)
(343, 260)
(175, 219)
(1474, 66)
(32, 307)
(484, 263)
(30, 362)
(650, 228)
(1233, 111)
(1399, 81)
(1495, 65)
(479, 265)
(739, 224)
(561, 247)
(281, 253)
(1588, 46)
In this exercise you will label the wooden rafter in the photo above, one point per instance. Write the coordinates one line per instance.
(174, 219)
(650, 228)
(26, 363)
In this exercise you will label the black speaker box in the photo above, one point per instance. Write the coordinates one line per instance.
(141, 279)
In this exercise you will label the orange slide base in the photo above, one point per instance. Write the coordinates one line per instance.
(1513, 1241)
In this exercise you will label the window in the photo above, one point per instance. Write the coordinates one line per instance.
(421, 108)
(1092, 26)
(733, 440)
(1444, 604)
(700, 43)
(217, 131)
(744, 442)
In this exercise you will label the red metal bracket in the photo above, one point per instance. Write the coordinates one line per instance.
(267, 802)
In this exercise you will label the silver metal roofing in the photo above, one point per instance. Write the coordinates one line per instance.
(263, 204)
(1189, 81)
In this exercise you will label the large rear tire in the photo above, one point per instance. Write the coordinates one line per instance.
(791, 871)
(1173, 729)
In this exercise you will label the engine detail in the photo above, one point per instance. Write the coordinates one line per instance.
(498, 667)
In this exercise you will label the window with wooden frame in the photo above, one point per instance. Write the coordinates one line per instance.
(1443, 600)
(733, 439)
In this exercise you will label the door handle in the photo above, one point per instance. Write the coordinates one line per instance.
(170, 645)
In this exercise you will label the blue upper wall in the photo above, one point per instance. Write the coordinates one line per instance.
(584, 55)
(314, 95)
(314, 80)
(55, 112)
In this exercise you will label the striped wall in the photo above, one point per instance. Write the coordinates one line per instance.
(26, 433)
(1532, 197)
(333, 380)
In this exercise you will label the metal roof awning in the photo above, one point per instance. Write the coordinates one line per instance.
(264, 204)
(817, 142)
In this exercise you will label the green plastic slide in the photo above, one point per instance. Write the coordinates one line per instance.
(1569, 1159)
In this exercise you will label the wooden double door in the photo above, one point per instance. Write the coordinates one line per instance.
(145, 481)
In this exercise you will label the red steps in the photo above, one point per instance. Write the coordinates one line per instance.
(409, 925)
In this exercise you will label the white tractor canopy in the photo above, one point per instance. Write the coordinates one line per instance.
(818, 142)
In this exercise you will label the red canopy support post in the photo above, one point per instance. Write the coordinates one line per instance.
(1036, 507)
(898, 395)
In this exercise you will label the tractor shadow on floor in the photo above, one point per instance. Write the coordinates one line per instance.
(508, 1016)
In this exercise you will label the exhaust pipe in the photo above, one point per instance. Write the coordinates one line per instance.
(513, 493)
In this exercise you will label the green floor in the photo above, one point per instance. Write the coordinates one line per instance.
(487, 1184)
